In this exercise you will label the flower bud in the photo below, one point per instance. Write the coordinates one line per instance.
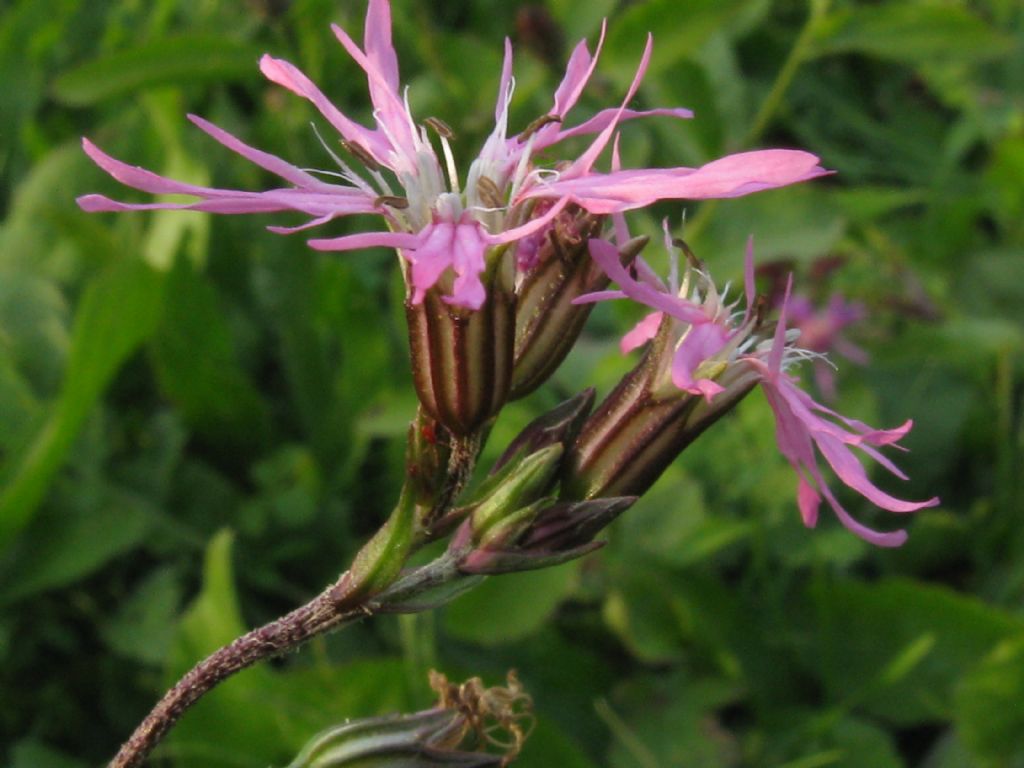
(514, 489)
(547, 322)
(421, 740)
(642, 426)
(462, 358)
(559, 425)
(547, 534)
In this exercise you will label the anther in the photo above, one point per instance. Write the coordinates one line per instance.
(536, 125)
(441, 128)
(489, 192)
(392, 201)
(361, 153)
(691, 258)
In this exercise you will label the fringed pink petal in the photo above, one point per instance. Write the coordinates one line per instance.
(289, 76)
(264, 160)
(365, 240)
(468, 262)
(607, 257)
(377, 40)
(641, 333)
(585, 162)
(702, 342)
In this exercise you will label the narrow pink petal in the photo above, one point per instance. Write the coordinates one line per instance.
(277, 230)
(731, 176)
(779, 339)
(700, 343)
(878, 538)
(618, 220)
(792, 437)
(849, 470)
(377, 40)
(606, 117)
(147, 181)
(596, 296)
(503, 85)
(388, 105)
(808, 500)
(880, 458)
(289, 76)
(469, 263)
(431, 257)
(607, 257)
(531, 226)
(641, 333)
(585, 162)
(264, 160)
(365, 240)
(862, 433)
(577, 74)
(228, 205)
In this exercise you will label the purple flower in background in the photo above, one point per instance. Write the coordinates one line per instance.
(821, 330)
(719, 349)
(443, 226)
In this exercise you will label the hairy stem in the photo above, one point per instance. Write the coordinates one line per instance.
(281, 635)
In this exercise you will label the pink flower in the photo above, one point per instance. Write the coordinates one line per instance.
(720, 350)
(445, 229)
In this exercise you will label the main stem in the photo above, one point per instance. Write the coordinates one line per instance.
(281, 635)
(339, 604)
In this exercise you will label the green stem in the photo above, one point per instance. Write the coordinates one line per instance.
(797, 55)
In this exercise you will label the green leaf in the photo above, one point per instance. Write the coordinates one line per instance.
(511, 606)
(898, 648)
(186, 59)
(681, 28)
(196, 364)
(801, 223)
(914, 33)
(646, 612)
(670, 524)
(143, 627)
(34, 754)
(62, 546)
(118, 311)
(548, 746)
(988, 704)
(671, 720)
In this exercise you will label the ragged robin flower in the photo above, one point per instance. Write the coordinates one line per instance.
(712, 353)
(448, 229)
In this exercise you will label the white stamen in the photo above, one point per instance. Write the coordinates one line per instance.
(347, 173)
(520, 175)
(449, 159)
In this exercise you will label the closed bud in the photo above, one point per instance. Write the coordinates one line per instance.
(560, 425)
(547, 322)
(399, 741)
(462, 358)
(515, 487)
(471, 726)
(553, 534)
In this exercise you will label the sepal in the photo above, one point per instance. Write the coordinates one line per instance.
(547, 322)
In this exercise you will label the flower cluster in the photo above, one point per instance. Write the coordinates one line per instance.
(501, 267)
(446, 228)
(716, 351)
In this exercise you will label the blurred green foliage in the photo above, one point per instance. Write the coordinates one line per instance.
(200, 421)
